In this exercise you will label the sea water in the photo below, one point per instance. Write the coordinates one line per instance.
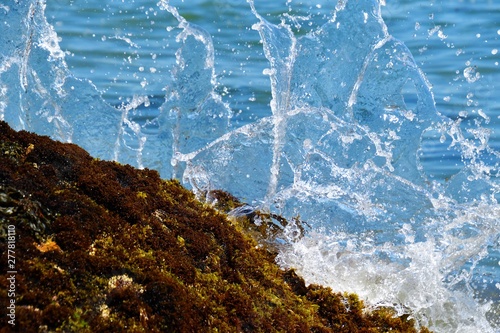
(377, 123)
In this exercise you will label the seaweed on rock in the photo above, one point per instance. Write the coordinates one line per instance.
(104, 247)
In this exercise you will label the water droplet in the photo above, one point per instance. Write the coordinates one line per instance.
(307, 144)
(494, 51)
(484, 115)
(471, 75)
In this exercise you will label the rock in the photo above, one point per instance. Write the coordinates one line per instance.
(104, 247)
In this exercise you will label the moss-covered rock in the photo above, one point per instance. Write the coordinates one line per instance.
(104, 247)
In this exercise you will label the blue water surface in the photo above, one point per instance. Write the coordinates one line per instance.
(444, 37)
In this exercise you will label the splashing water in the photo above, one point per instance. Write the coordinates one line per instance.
(39, 93)
(351, 113)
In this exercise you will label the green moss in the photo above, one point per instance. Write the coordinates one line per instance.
(105, 247)
(76, 322)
